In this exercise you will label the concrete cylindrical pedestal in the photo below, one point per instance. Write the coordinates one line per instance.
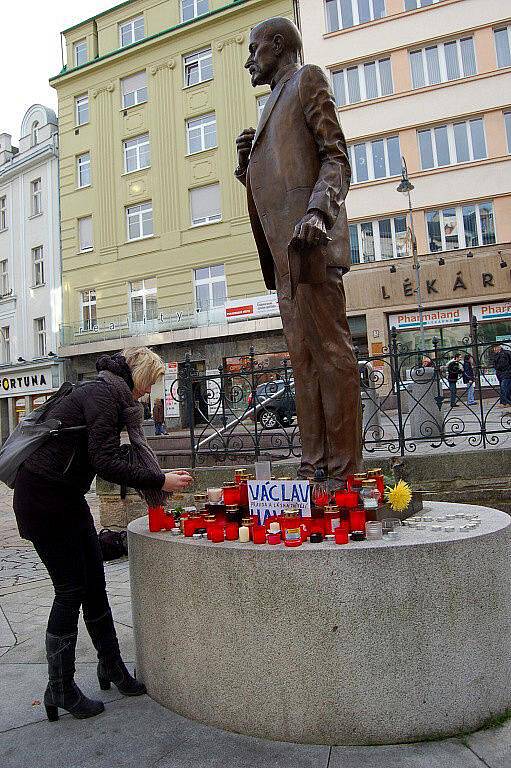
(369, 643)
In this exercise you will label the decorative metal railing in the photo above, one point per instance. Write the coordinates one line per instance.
(408, 405)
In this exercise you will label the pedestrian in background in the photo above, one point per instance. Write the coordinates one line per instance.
(469, 378)
(502, 365)
(159, 417)
(52, 512)
(454, 371)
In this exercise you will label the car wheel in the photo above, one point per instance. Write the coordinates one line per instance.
(268, 419)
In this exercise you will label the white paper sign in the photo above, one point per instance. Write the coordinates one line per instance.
(273, 497)
(170, 385)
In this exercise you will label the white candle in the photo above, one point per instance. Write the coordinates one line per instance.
(244, 534)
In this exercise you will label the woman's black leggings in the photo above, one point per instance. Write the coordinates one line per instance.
(59, 523)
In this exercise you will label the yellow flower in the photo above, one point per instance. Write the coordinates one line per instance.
(399, 496)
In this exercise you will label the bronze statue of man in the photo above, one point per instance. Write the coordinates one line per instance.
(297, 174)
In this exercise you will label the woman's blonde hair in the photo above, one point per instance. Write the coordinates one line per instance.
(145, 365)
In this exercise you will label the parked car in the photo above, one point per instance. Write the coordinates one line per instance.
(274, 404)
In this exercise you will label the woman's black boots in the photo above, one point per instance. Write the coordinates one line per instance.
(111, 668)
(62, 690)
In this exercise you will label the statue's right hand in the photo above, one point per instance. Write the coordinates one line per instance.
(244, 145)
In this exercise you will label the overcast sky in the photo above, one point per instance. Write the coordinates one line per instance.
(30, 53)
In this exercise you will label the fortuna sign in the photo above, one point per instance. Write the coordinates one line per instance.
(26, 383)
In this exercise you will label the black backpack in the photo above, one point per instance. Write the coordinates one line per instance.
(114, 544)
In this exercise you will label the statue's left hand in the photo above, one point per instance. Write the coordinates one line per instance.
(310, 231)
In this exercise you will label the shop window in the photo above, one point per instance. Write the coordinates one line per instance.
(466, 226)
(445, 61)
(198, 67)
(362, 82)
(342, 14)
(376, 159)
(210, 287)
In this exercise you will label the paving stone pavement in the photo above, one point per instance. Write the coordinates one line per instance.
(139, 732)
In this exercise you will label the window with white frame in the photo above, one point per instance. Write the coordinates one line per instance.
(38, 265)
(3, 213)
(82, 109)
(362, 82)
(378, 240)
(507, 121)
(40, 336)
(443, 62)
(88, 309)
(143, 300)
(412, 5)
(131, 31)
(376, 159)
(81, 55)
(190, 9)
(137, 153)
(134, 89)
(83, 170)
(35, 197)
(198, 67)
(34, 133)
(341, 14)
(201, 133)
(462, 226)
(5, 338)
(85, 238)
(205, 204)
(4, 277)
(261, 103)
(503, 46)
(210, 287)
(453, 143)
(139, 221)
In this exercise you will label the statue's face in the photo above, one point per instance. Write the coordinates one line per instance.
(262, 62)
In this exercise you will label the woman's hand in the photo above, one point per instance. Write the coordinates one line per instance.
(179, 480)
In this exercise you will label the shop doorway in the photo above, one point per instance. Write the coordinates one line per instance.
(358, 328)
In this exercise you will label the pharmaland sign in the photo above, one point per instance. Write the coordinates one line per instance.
(430, 317)
(497, 310)
(270, 498)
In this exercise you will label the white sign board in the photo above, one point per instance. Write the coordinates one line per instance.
(170, 384)
(273, 497)
(27, 382)
(431, 318)
(252, 308)
(497, 310)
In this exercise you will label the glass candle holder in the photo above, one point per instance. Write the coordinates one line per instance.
(231, 494)
(231, 531)
(392, 527)
(346, 499)
(217, 534)
(341, 535)
(259, 534)
(373, 530)
(358, 519)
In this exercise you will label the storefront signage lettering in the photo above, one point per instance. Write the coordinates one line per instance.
(487, 280)
(20, 382)
(268, 498)
(433, 317)
(500, 310)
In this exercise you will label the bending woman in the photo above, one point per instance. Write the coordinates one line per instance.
(51, 511)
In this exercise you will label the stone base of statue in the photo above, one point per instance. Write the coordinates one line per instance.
(369, 643)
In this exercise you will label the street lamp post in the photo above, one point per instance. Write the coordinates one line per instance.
(405, 187)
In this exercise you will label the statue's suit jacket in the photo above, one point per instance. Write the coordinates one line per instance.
(298, 162)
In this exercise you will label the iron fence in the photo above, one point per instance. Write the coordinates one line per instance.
(407, 402)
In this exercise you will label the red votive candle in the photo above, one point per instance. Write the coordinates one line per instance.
(341, 535)
(358, 519)
(321, 499)
(190, 525)
(156, 515)
(217, 534)
(231, 494)
(232, 532)
(243, 493)
(259, 534)
(168, 521)
(347, 499)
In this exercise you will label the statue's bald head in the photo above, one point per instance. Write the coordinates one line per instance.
(279, 25)
(274, 44)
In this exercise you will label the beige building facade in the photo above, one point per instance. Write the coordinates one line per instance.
(430, 81)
